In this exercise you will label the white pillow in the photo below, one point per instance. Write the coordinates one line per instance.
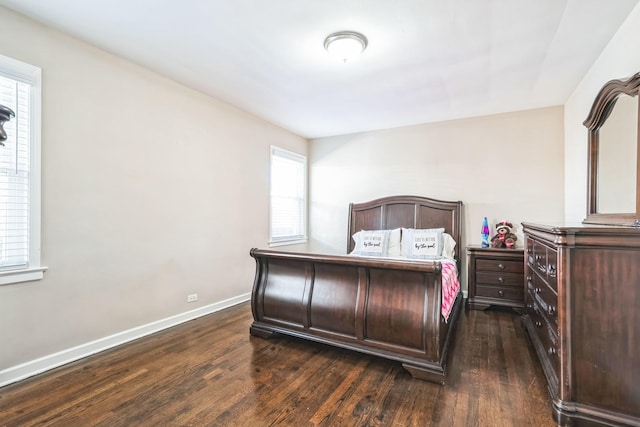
(422, 243)
(394, 243)
(380, 243)
(448, 247)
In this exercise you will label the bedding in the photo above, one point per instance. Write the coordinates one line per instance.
(450, 288)
(402, 309)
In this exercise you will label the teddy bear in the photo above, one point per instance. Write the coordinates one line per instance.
(504, 238)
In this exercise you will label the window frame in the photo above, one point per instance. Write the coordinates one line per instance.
(32, 75)
(297, 239)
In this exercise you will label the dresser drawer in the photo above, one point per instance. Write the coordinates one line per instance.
(547, 335)
(498, 292)
(506, 266)
(500, 279)
(544, 261)
(530, 258)
(552, 269)
(545, 298)
(540, 258)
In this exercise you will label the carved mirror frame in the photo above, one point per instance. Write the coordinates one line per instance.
(600, 111)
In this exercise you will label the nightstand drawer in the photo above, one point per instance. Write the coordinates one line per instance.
(498, 292)
(507, 266)
(500, 279)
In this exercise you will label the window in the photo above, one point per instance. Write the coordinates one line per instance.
(288, 197)
(20, 174)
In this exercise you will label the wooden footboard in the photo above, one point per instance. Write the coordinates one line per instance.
(381, 307)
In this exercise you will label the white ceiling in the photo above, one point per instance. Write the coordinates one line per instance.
(427, 60)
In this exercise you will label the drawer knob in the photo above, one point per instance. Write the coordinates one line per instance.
(529, 278)
(529, 250)
(501, 266)
(538, 324)
(551, 351)
(537, 290)
(500, 279)
(530, 306)
(551, 309)
(501, 293)
(552, 270)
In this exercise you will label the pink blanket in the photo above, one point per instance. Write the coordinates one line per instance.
(450, 288)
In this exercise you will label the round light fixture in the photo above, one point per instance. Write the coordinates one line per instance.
(345, 45)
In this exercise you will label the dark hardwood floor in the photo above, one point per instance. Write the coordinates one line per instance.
(210, 372)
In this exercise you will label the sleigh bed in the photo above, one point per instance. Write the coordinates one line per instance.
(388, 307)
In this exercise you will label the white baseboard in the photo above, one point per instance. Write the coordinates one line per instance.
(37, 366)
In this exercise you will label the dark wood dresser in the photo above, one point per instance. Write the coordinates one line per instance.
(582, 296)
(495, 277)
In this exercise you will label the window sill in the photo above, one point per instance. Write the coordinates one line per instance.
(24, 275)
(287, 242)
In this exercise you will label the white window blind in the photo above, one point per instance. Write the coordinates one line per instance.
(14, 177)
(288, 196)
(19, 182)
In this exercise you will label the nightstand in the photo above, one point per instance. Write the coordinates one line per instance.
(495, 277)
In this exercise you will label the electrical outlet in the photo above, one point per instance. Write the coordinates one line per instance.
(192, 298)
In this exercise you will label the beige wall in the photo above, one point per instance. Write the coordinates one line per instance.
(151, 191)
(507, 166)
(620, 59)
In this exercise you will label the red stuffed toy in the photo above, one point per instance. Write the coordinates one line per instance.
(504, 238)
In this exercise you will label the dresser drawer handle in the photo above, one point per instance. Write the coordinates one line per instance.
(529, 250)
(537, 290)
(530, 306)
(551, 351)
(552, 270)
(500, 279)
(501, 266)
(538, 324)
(501, 293)
(551, 310)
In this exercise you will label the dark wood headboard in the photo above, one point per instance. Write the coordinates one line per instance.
(409, 212)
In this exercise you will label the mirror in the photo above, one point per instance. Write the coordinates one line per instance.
(614, 183)
(617, 158)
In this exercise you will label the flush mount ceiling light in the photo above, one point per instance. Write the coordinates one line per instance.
(345, 45)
